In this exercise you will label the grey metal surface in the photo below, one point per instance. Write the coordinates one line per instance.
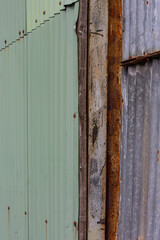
(141, 21)
(139, 215)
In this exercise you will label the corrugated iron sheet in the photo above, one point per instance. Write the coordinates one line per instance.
(141, 21)
(140, 169)
(39, 133)
(139, 214)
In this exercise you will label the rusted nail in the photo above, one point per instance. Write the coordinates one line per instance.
(23, 31)
(19, 32)
(75, 224)
(44, 12)
(8, 208)
(60, 3)
(46, 221)
(147, 2)
(36, 21)
(25, 213)
(5, 41)
(74, 115)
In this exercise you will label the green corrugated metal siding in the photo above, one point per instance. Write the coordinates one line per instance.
(19, 17)
(39, 11)
(13, 143)
(12, 21)
(53, 131)
(39, 135)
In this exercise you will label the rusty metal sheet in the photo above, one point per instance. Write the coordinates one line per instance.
(97, 110)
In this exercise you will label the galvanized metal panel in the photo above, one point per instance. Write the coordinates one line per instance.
(53, 129)
(141, 27)
(39, 133)
(139, 200)
(13, 143)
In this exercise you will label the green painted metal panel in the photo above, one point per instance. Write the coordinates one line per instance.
(19, 17)
(13, 143)
(38, 11)
(39, 132)
(53, 131)
(12, 21)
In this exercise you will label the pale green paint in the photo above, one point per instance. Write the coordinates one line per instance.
(13, 143)
(35, 9)
(26, 15)
(38, 133)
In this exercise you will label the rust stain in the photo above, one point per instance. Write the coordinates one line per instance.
(9, 232)
(140, 59)
(158, 156)
(8, 216)
(140, 238)
(114, 116)
(46, 229)
(76, 230)
(44, 12)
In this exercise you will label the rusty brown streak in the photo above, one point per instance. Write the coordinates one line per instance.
(114, 117)
(140, 59)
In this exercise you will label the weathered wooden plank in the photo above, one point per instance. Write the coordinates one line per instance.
(82, 31)
(97, 108)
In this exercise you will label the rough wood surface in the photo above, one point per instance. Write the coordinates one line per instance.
(82, 31)
(97, 109)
